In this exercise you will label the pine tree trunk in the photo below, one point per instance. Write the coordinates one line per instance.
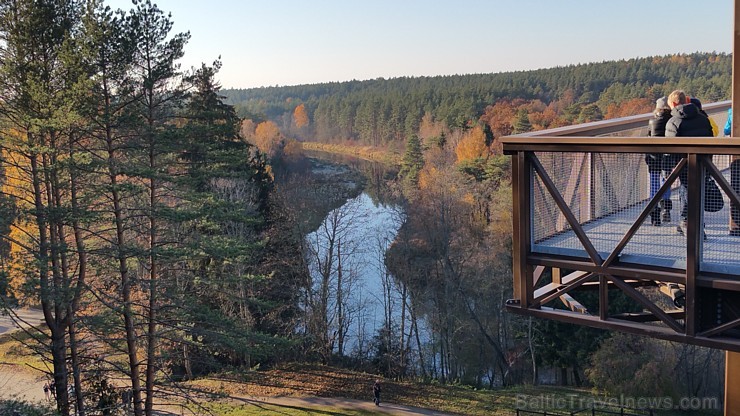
(123, 272)
(153, 276)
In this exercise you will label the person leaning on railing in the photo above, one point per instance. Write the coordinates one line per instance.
(658, 163)
(687, 120)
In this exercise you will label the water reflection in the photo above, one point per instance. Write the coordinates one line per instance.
(346, 257)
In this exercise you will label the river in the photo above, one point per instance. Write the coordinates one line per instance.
(350, 245)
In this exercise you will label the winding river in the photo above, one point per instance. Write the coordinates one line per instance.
(364, 226)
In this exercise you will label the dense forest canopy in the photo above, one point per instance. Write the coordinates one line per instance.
(384, 111)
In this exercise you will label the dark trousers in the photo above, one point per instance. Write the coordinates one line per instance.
(735, 183)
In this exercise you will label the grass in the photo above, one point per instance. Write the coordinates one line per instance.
(302, 380)
(14, 351)
(363, 152)
(238, 393)
(287, 410)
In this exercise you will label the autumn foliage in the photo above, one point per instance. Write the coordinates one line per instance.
(472, 145)
(300, 117)
(268, 139)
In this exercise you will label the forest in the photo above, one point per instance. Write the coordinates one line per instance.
(153, 217)
(385, 112)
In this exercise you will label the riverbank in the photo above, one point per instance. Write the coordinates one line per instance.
(370, 153)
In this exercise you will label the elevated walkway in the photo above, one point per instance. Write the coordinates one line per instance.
(581, 221)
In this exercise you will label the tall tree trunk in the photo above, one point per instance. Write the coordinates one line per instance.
(153, 276)
(401, 340)
(340, 302)
(47, 295)
(74, 354)
(535, 375)
(123, 271)
(81, 277)
(415, 328)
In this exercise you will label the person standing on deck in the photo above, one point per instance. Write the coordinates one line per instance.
(658, 164)
(686, 121)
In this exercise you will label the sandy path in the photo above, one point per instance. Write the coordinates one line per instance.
(26, 317)
(15, 381)
(19, 383)
(339, 403)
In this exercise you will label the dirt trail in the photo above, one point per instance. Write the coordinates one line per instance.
(339, 403)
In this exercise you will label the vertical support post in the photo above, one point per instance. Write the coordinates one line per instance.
(522, 218)
(603, 298)
(735, 160)
(694, 238)
(557, 275)
(732, 383)
(732, 359)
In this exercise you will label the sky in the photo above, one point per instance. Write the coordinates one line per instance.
(291, 42)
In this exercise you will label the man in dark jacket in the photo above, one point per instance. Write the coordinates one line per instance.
(686, 121)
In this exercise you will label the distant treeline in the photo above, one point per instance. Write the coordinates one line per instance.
(382, 111)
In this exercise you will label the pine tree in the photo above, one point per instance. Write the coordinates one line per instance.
(42, 79)
(413, 160)
(157, 94)
(521, 123)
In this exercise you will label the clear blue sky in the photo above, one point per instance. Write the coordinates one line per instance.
(289, 42)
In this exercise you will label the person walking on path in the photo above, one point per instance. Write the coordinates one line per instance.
(376, 392)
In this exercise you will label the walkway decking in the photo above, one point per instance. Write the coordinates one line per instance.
(651, 245)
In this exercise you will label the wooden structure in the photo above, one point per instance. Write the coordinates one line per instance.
(572, 182)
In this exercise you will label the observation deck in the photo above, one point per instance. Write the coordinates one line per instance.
(585, 250)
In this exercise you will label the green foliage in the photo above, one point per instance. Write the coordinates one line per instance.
(634, 366)
(413, 160)
(19, 407)
(521, 123)
(590, 112)
(381, 111)
(497, 169)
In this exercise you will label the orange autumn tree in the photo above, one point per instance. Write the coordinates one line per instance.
(268, 139)
(300, 116)
(629, 108)
(472, 145)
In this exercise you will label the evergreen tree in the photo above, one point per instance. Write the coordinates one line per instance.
(42, 82)
(413, 160)
(157, 95)
(521, 123)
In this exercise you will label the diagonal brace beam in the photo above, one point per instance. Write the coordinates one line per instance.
(652, 307)
(651, 205)
(563, 206)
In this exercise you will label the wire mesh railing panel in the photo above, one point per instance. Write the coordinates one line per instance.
(721, 247)
(568, 173)
(606, 193)
(661, 238)
(601, 190)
